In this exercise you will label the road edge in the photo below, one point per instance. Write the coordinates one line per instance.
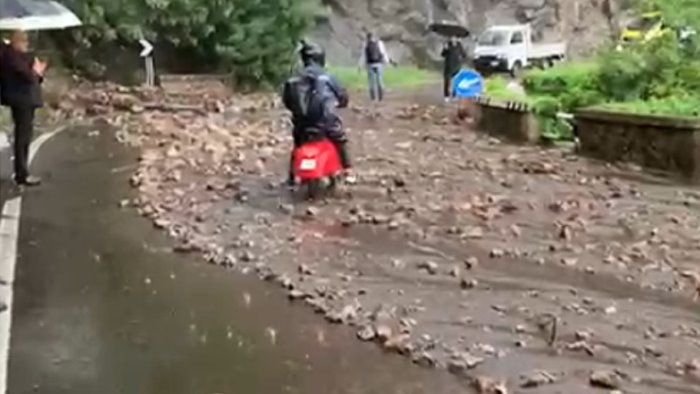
(9, 237)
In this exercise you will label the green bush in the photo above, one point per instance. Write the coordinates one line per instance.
(572, 85)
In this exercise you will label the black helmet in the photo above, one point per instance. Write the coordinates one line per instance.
(312, 54)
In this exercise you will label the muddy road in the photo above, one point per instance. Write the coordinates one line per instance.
(518, 268)
(102, 305)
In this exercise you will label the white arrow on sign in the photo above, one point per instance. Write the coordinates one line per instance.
(466, 84)
(147, 48)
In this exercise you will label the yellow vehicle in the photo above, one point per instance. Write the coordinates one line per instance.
(645, 28)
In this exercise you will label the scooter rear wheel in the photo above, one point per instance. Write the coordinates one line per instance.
(314, 188)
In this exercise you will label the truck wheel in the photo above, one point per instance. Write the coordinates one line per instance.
(517, 69)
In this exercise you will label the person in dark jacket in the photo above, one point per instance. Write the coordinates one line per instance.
(454, 55)
(374, 57)
(321, 118)
(21, 75)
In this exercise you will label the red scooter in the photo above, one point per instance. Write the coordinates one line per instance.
(317, 166)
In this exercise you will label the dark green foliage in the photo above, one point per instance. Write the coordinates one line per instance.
(253, 39)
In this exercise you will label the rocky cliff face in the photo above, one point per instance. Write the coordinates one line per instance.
(403, 23)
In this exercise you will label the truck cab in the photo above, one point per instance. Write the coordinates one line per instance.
(510, 48)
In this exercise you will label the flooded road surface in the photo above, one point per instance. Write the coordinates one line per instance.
(102, 306)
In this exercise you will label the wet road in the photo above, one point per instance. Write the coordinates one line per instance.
(102, 306)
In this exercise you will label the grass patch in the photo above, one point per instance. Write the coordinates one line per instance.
(497, 87)
(394, 77)
(673, 106)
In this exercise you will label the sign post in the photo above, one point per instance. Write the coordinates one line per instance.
(467, 84)
(147, 54)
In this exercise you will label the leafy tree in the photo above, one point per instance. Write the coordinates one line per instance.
(253, 39)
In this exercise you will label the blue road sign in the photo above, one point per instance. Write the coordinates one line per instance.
(467, 84)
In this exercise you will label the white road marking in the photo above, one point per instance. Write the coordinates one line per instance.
(9, 236)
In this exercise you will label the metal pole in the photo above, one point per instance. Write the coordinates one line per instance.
(149, 71)
(153, 71)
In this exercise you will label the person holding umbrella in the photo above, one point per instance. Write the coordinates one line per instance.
(453, 52)
(454, 56)
(21, 74)
(20, 77)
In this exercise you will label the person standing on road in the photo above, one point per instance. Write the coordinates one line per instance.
(373, 57)
(21, 75)
(454, 54)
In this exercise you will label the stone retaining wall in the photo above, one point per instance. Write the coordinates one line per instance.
(506, 119)
(664, 143)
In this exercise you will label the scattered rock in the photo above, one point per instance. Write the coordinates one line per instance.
(295, 294)
(515, 230)
(468, 283)
(581, 346)
(605, 380)
(383, 332)
(344, 316)
(305, 270)
(584, 335)
(424, 359)
(287, 209)
(471, 263)
(379, 219)
(611, 310)
(537, 379)
(247, 257)
(653, 351)
(497, 253)
(429, 266)
(399, 182)
(472, 233)
(366, 333)
(454, 272)
(399, 343)
(692, 365)
(460, 363)
(487, 385)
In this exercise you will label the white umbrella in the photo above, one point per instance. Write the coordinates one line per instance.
(35, 15)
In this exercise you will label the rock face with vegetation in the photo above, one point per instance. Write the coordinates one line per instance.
(403, 23)
(256, 39)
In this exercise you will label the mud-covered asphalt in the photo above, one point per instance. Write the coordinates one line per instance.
(102, 305)
(534, 268)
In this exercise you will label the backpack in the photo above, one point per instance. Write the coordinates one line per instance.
(373, 53)
(303, 97)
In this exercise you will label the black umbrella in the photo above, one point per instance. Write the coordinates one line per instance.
(449, 29)
(35, 15)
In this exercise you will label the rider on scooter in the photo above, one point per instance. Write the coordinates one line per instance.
(312, 97)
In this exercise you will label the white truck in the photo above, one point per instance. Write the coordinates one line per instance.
(509, 48)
